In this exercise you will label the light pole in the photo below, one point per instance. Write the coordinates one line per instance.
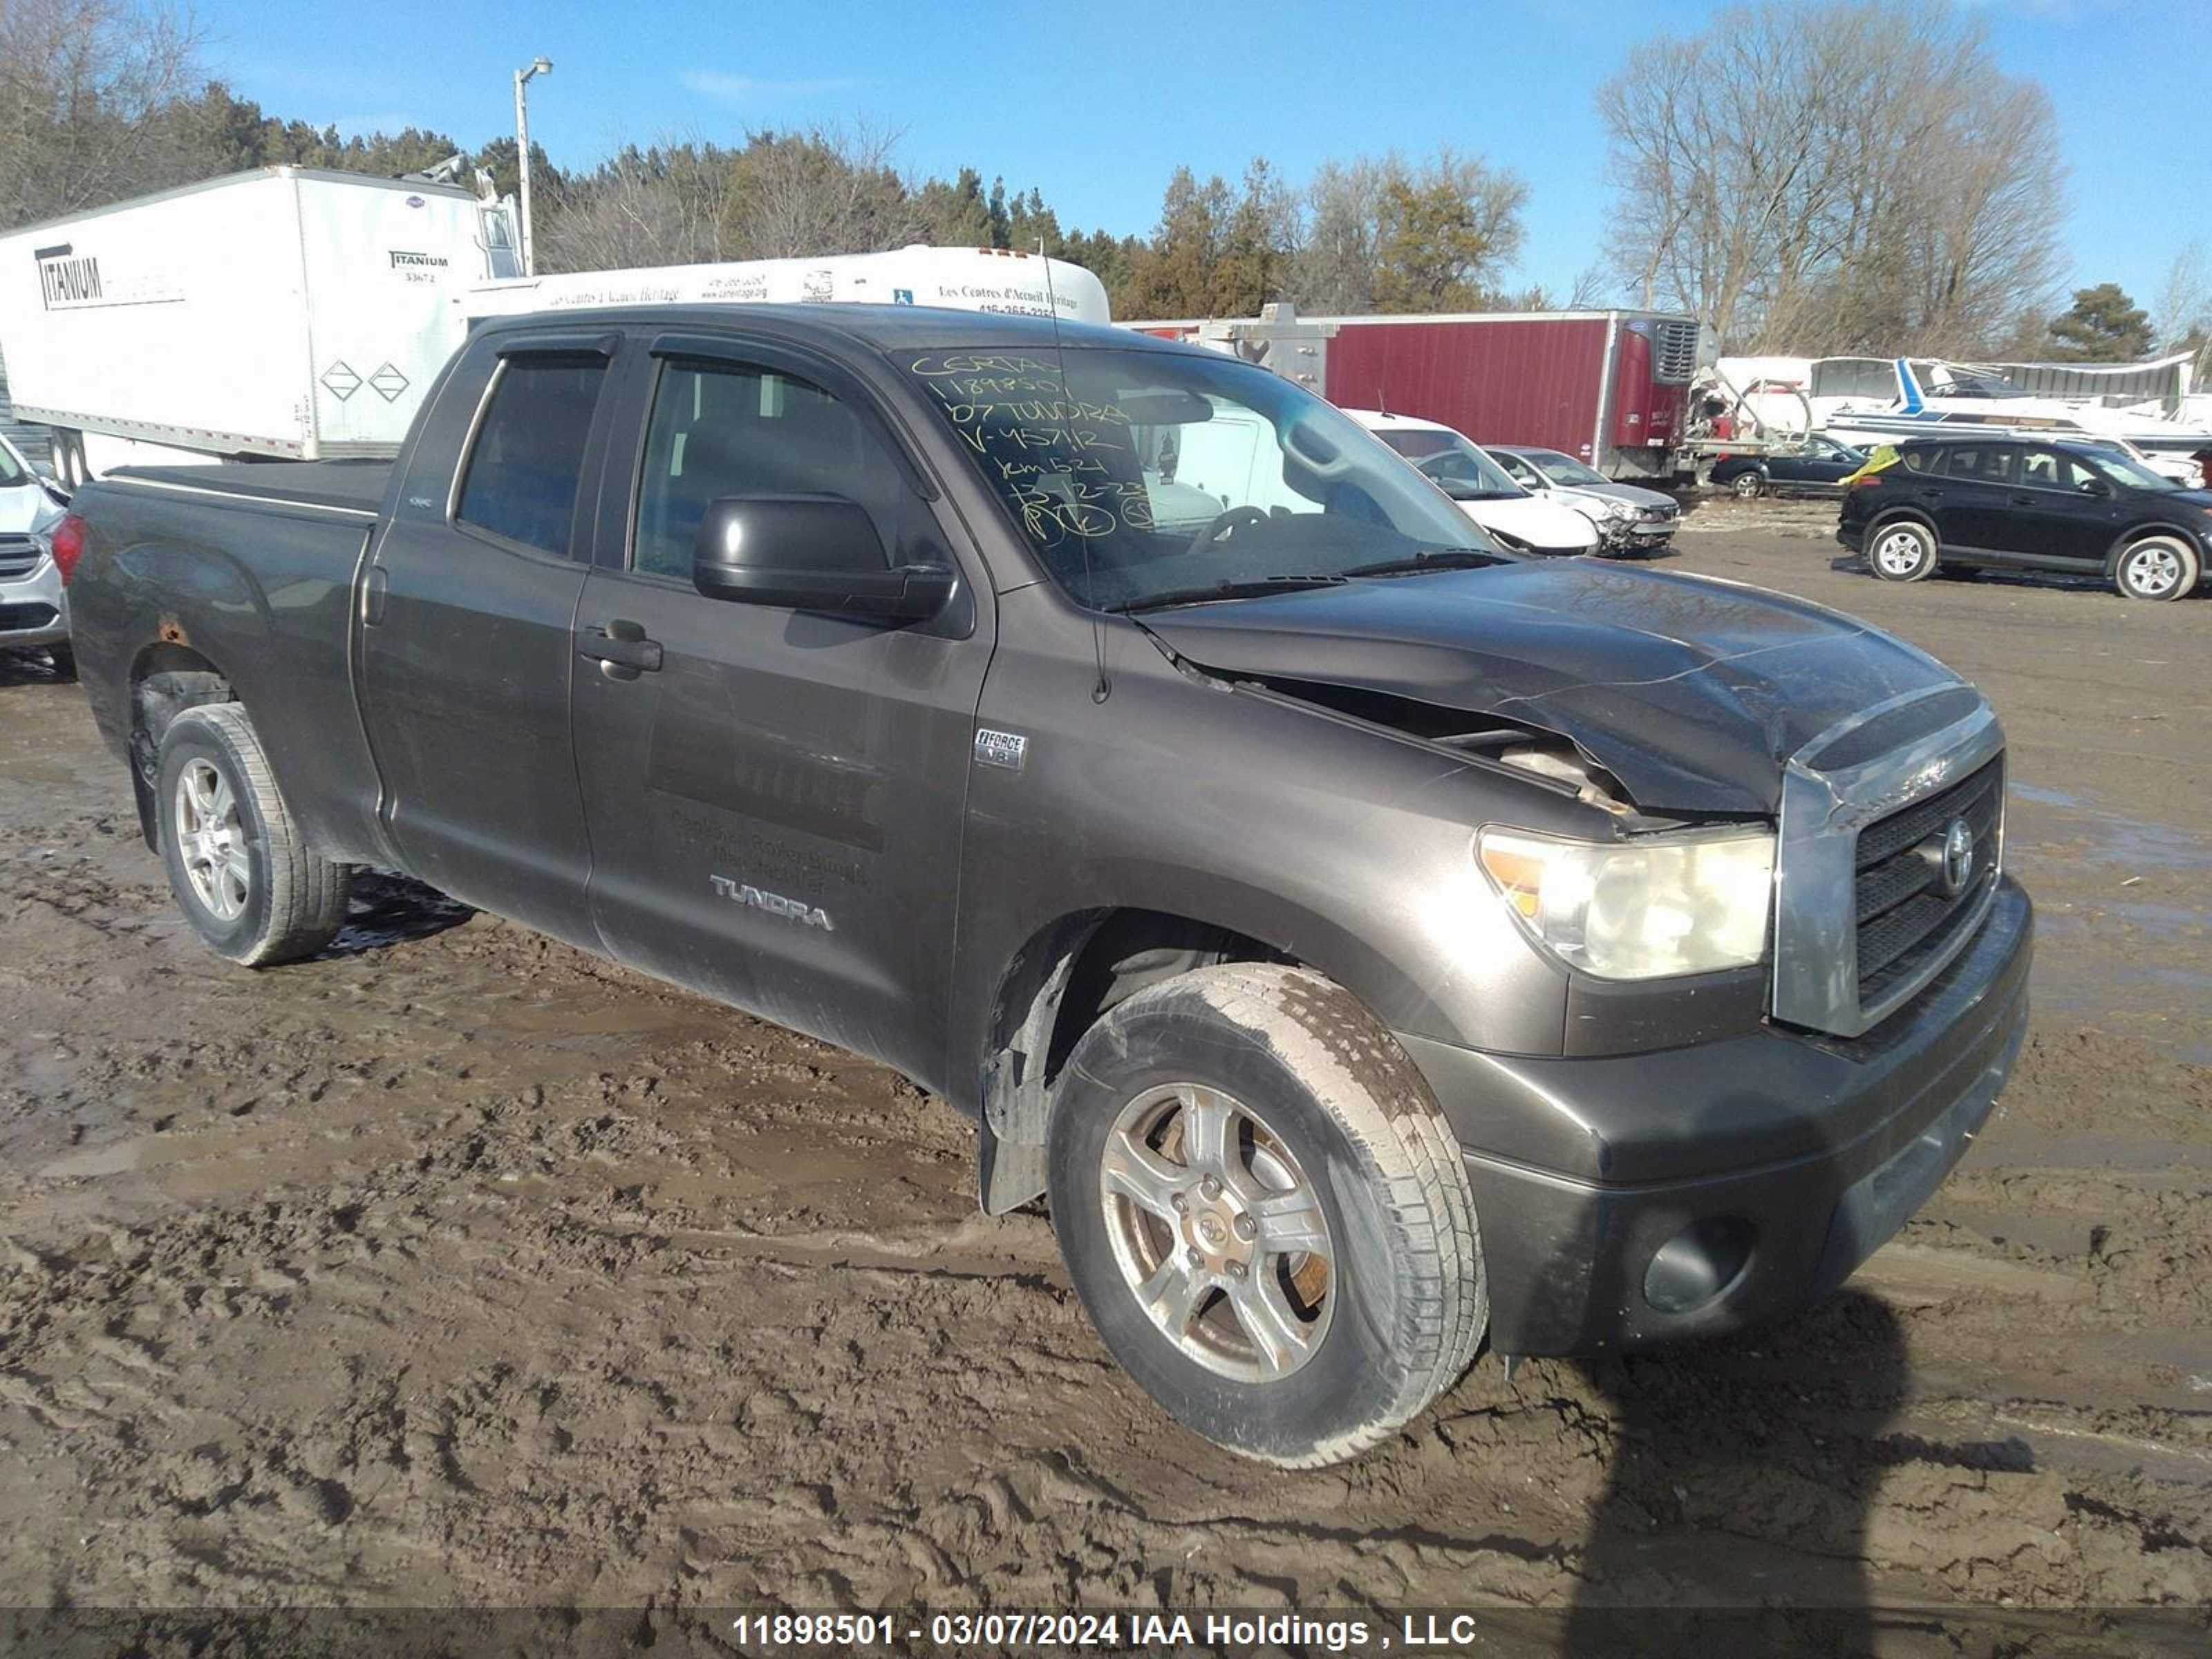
(543, 66)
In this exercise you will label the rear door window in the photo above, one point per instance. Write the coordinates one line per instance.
(527, 465)
(1989, 463)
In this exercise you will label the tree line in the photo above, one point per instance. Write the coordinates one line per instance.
(1858, 176)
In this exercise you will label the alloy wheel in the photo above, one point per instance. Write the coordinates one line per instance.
(1217, 1231)
(211, 842)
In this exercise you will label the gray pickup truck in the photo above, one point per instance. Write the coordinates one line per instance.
(1368, 941)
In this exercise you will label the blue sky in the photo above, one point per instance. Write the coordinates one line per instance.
(1097, 105)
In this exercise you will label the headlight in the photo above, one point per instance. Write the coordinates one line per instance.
(1640, 909)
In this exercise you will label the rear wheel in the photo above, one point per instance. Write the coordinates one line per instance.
(1264, 1213)
(242, 871)
(63, 658)
(1902, 550)
(2155, 568)
(1748, 485)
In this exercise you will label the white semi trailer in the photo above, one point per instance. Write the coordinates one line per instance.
(285, 311)
(301, 315)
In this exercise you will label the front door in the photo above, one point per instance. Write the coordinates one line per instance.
(2057, 517)
(774, 799)
(465, 624)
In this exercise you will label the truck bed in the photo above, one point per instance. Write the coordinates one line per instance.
(352, 486)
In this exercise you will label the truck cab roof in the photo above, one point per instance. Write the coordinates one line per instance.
(887, 328)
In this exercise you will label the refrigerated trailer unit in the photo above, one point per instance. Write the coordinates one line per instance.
(285, 312)
(1609, 387)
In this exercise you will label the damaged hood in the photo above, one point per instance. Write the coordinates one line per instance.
(1691, 692)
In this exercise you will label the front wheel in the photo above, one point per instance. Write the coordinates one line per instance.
(2155, 568)
(240, 867)
(1902, 551)
(1264, 1213)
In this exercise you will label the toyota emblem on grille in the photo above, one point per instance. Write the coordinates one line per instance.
(1958, 858)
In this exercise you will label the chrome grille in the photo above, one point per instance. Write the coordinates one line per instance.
(1863, 922)
(1904, 914)
(19, 556)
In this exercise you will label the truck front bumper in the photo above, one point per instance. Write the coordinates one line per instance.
(1731, 1181)
(34, 607)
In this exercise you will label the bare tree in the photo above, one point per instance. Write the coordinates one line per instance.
(1337, 257)
(88, 90)
(1857, 175)
(2182, 316)
(824, 191)
(1390, 235)
(783, 195)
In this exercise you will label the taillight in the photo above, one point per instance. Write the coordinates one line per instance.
(66, 542)
(1867, 483)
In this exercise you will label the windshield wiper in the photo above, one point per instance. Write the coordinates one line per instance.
(1252, 588)
(1443, 558)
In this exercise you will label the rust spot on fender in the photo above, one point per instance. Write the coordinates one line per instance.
(171, 632)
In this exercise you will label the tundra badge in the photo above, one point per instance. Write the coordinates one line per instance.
(744, 892)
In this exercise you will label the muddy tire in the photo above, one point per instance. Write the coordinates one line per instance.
(1749, 485)
(242, 871)
(63, 657)
(1901, 551)
(1264, 1213)
(2155, 568)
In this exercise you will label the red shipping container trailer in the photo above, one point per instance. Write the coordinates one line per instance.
(1609, 387)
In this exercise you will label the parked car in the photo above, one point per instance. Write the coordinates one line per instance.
(1817, 467)
(1629, 518)
(1483, 490)
(1368, 938)
(34, 606)
(2064, 506)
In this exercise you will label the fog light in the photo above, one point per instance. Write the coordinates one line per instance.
(1698, 1263)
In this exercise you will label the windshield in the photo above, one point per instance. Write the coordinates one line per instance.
(1468, 473)
(1563, 469)
(2125, 469)
(12, 471)
(1150, 477)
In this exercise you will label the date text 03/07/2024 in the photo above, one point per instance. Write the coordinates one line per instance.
(1106, 1631)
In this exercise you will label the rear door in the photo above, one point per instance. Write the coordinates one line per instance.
(1973, 509)
(774, 799)
(465, 617)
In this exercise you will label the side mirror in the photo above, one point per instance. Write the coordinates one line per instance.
(809, 553)
(2096, 486)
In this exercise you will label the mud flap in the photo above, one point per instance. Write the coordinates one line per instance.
(1010, 1149)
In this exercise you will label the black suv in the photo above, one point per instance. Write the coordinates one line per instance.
(2074, 506)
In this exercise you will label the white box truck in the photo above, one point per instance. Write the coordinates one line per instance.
(285, 311)
(955, 278)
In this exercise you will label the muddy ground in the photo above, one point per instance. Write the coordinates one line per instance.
(459, 1267)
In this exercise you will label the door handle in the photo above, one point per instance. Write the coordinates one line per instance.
(2019, 498)
(373, 588)
(620, 650)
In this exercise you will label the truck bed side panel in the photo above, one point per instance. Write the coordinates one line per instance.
(261, 590)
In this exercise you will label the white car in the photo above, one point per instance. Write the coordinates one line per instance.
(1482, 488)
(34, 607)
